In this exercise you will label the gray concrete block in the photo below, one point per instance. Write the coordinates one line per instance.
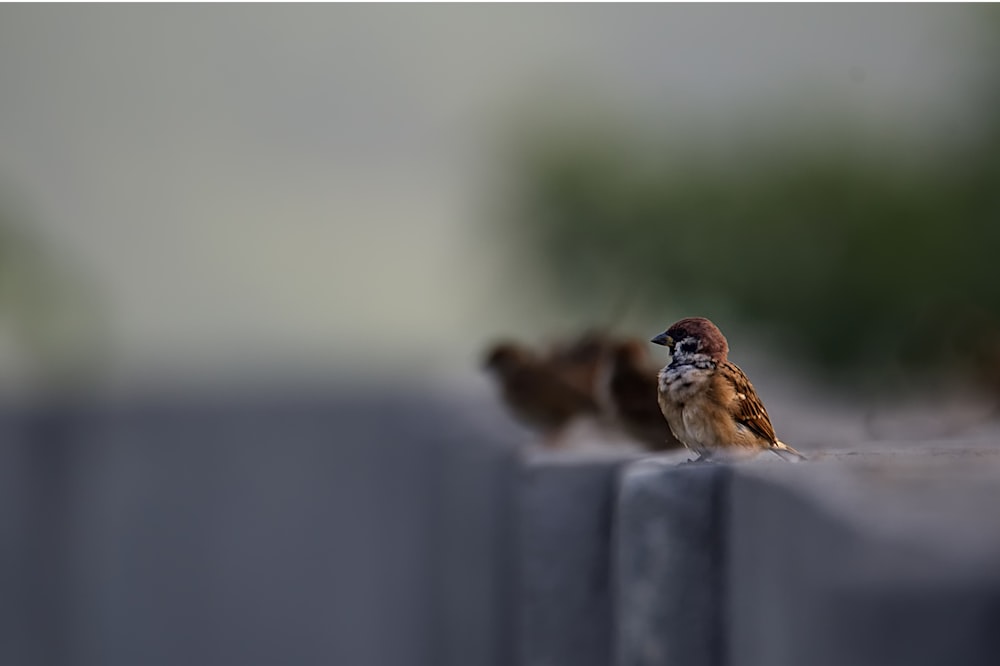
(669, 564)
(291, 528)
(888, 557)
(565, 517)
(474, 568)
(254, 532)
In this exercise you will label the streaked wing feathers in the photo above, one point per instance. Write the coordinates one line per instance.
(746, 407)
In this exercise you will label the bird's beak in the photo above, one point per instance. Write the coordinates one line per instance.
(663, 339)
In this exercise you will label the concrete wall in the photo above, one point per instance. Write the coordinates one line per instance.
(273, 530)
(382, 531)
(887, 557)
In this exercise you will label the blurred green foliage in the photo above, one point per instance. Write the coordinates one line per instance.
(51, 312)
(868, 271)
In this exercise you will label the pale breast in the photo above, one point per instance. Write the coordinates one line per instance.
(681, 389)
(701, 424)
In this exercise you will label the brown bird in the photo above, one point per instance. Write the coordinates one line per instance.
(581, 360)
(534, 391)
(709, 403)
(631, 394)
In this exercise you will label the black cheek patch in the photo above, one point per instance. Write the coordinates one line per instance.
(688, 346)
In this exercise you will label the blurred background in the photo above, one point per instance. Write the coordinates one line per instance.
(222, 195)
(353, 201)
(215, 191)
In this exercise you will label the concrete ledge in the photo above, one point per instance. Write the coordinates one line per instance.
(300, 530)
(669, 564)
(306, 530)
(853, 559)
(565, 518)
(891, 557)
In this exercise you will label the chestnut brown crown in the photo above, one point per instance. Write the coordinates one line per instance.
(695, 335)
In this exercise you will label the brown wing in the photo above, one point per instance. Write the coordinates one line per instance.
(746, 406)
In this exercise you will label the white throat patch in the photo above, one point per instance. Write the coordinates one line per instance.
(685, 375)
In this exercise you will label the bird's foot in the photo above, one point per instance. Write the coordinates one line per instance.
(702, 458)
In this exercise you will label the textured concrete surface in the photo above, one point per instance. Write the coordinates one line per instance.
(669, 563)
(883, 557)
(565, 513)
(889, 557)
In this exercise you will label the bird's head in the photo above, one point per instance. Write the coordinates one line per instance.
(694, 336)
(503, 357)
(630, 352)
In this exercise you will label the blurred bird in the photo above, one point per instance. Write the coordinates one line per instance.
(631, 395)
(581, 360)
(709, 403)
(535, 392)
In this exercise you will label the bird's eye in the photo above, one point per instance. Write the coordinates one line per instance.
(688, 346)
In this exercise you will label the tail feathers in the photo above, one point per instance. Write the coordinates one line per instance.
(786, 452)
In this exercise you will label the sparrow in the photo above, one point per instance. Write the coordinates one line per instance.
(534, 391)
(631, 396)
(709, 403)
(581, 360)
